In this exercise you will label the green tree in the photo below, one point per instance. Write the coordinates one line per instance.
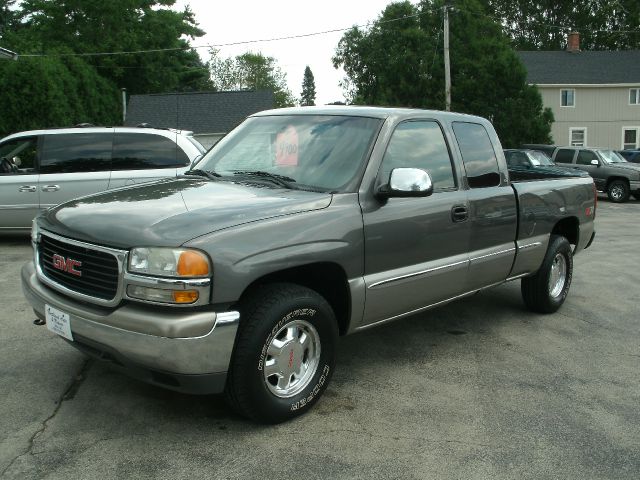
(89, 26)
(52, 92)
(399, 61)
(544, 24)
(251, 71)
(308, 95)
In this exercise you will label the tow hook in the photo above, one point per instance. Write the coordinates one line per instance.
(39, 321)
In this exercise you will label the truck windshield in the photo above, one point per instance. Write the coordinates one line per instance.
(320, 152)
(609, 156)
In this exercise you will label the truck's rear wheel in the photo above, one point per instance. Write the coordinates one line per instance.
(618, 191)
(284, 353)
(546, 291)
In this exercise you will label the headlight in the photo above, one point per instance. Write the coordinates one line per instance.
(169, 262)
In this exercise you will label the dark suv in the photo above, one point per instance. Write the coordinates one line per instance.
(630, 155)
(610, 171)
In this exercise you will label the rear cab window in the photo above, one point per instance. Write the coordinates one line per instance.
(478, 156)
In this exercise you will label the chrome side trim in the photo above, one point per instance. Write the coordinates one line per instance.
(529, 245)
(416, 274)
(515, 277)
(19, 207)
(501, 252)
(121, 256)
(427, 307)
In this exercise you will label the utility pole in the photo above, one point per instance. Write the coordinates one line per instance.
(124, 104)
(447, 63)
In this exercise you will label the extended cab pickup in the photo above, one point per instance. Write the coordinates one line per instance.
(300, 226)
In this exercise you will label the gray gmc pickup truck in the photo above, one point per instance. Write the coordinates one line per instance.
(299, 226)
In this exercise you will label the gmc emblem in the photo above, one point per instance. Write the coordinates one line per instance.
(66, 264)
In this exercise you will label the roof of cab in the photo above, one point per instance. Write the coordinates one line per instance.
(366, 111)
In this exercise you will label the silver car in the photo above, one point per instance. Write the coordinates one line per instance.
(42, 168)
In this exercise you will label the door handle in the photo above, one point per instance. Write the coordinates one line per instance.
(51, 188)
(28, 188)
(459, 213)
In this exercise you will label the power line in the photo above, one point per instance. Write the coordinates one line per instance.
(229, 44)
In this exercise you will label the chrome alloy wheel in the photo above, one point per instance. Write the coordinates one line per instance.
(292, 359)
(558, 276)
(617, 192)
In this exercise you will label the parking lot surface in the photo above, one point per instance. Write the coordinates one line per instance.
(480, 388)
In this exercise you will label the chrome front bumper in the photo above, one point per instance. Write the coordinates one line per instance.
(167, 340)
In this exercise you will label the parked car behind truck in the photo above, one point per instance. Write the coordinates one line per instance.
(611, 173)
(300, 226)
(42, 168)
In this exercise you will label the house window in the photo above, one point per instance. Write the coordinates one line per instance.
(577, 137)
(568, 98)
(630, 138)
(634, 96)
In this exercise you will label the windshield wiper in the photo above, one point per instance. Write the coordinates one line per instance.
(281, 180)
(203, 173)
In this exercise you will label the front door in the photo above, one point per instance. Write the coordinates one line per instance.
(19, 195)
(415, 248)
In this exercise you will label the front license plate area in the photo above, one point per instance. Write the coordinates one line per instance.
(58, 322)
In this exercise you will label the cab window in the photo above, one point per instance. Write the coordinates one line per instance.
(19, 156)
(419, 144)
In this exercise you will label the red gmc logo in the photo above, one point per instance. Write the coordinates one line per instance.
(66, 265)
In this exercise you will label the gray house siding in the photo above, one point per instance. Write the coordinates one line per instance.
(604, 111)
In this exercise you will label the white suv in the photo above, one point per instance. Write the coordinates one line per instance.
(42, 168)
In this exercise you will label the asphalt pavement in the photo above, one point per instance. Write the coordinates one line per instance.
(478, 389)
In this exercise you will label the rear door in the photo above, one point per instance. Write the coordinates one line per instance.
(492, 207)
(73, 165)
(19, 194)
(144, 157)
(416, 248)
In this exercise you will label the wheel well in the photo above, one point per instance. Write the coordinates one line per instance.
(328, 279)
(568, 228)
(613, 179)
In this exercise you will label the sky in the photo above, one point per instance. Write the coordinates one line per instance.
(241, 20)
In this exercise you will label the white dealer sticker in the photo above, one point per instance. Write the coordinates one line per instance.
(58, 322)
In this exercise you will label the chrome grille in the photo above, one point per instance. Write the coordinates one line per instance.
(99, 270)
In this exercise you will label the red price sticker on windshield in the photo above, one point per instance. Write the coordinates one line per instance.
(287, 147)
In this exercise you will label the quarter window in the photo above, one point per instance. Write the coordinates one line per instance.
(634, 96)
(479, 158)
(77, 152)
(568, 97)
(420, 144)
(138, 151)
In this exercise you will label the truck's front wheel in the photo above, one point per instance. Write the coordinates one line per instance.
(546, 291)
(618, 191)
(284, 353)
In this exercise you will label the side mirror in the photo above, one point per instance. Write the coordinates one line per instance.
(595, 162)
(406, 182)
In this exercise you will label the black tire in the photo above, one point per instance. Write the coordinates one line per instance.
(263, 314)
(536, 290)
(618, 191)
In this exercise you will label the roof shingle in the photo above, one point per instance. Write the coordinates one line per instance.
(200, 112)
(589, 67)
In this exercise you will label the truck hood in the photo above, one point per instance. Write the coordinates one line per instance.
(171, 212)
(626, 166)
